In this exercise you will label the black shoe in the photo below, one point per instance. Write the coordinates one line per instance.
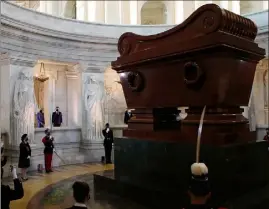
(47, 171)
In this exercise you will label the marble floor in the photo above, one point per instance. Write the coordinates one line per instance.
(53, 191)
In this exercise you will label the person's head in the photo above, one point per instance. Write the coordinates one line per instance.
(24, 138)
(81, 192)
(199, 190)
(47, 132)
(41, 111)
(57, 109)
(107, 125)
(267, 131)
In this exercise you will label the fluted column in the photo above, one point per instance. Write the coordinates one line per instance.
(235, 7)
(134, 12)
(179, 12)
(112, 12)
(91, 11)
(265, 5)
(73, 96)
(49, 96)
(100, 11)
(81, 10)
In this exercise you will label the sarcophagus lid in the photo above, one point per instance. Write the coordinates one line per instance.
(209, 59)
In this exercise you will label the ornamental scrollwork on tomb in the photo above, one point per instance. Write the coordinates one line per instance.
(94, 105)
(24, 106)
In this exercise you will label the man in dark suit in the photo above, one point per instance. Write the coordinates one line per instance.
(108, 142)
(57, 118)
(81, 194)
(8, 194)
(127, 116)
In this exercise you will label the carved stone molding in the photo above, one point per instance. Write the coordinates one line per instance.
(23, 62)
(71, 74)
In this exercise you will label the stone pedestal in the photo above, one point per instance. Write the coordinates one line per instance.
(161, 171)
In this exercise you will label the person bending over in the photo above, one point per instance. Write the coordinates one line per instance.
(8, 194)
(81, 194)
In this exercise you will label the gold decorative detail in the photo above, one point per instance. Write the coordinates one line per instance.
(42, 76)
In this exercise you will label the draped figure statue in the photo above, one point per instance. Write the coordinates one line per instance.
(24, 107)
(94, 106)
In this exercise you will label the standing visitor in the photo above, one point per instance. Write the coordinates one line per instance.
(108, 141)
(25, 155)
(8, 194)
(127, 116)
(40, 119)
(57, 118)
(48, 150)
(81, 194)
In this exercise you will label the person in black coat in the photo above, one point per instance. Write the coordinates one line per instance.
(57, 118)
(81, 194)
(8, 194)
(25, 155)
(127, 116)
(108, 142)
(48, 150)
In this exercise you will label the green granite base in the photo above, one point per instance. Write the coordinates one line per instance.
(165, 166)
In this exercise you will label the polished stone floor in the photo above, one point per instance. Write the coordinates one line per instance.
(53, 191)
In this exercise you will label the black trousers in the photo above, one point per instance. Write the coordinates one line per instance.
(108, 149)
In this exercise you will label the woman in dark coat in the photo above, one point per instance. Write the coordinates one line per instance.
(25, 155)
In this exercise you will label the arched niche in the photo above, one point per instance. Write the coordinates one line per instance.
(70, 9)
(153, 13)
(115, 104)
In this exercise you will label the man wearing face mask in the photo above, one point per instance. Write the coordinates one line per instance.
(57, 118)
(108, 142)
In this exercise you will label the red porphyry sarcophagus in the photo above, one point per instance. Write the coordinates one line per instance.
(210, 59)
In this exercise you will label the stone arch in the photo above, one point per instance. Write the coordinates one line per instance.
(70, 9)
(153, 13)
(115, 104)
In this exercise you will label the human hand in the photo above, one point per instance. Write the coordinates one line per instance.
(28, 157)
(13, 172)
(53, 150)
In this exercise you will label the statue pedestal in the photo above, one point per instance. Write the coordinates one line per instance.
(160, 170)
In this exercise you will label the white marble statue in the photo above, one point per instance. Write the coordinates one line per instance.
(251, 114)
(115, 100)
(94, 106)
(24, 106)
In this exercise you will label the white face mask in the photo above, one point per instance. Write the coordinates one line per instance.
(107, 130)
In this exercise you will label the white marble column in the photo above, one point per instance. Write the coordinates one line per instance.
(112, 12)
(235, 7)
(189, 8)
(134, 12)
(179, 12)
(265, 5)
(49, 96)
(73, 97)
(81, 10)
